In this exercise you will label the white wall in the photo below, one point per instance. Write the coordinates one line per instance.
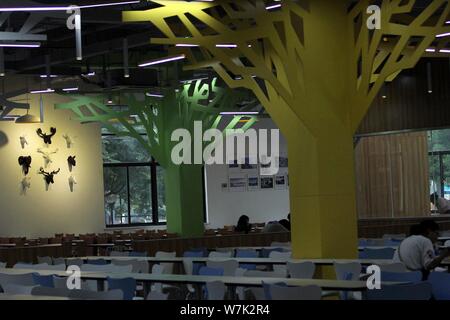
(41, 212)
(225, 207)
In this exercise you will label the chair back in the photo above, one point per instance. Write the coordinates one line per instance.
(127, 285)
(43, 281)
(2, 265)
(265, 253)
(413, 277)
(218, 254)
(215, 290)
(229, 266)
(393, 267)
(47, 260)
(440, 282)
(137, 266)
(25, 279)
(54, 292)
(382, 253)
(17, 289)
(301, 270)
(415, 291)
(168, 267)
(157, 296)
(116, 294)
(59, 261)
(138, 254)
(209, 271)
(99, 262)
(296, 293)
(242, 253)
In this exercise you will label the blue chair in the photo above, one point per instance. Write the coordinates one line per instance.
(440, 282)
(267, 286)
(392, 242)
(127, 285)
(203, 250)
(362, 243)
(98, 262)
(412, 277)
(207, 271)
(195, 254)
(43, 281)
(241, 253)
(137, 254)
(416, 291)
(264, 253)
(382, 253)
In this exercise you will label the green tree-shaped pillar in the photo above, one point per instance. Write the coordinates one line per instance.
(131, 114)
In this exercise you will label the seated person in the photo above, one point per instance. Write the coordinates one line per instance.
(274, 226)
(285, 223)
(442, 204)
(417, 251)
(243, 224)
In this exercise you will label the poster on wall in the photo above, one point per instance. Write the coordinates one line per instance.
(266, 183)
(280, 182)
(237, 183)
(252, 182)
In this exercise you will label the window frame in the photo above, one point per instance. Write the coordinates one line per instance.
(152, 166)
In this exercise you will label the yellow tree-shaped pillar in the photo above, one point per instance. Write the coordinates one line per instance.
(316, 67)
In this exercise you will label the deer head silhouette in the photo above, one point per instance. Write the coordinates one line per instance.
(46, 137)
(48, 176)
(25, 163)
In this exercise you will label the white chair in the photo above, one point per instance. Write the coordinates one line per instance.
(115, 294)
(17, 289)
(157, 269)
(119, 254)
(156, 295)
(2, 265)
(53, 292)
(25, 279)
(229, 266)
(47, 260)
(296, 293)
(218, 254)
(397, 267)
(137, 266)
(447, 243)
(74, 262)
(58, 261)
(216, 290)
(168, 267)
(280, 268)
(301, 270)
(61, 283)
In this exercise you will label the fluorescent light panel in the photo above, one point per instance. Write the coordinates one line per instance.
(65, 8)
(164, 60)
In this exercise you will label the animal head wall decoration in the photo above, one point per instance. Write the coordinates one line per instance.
(48, 176)
(72, 183)
(25, 163)
(25, 184)
(72, 162)
(23, 141)
(47, 155)
(46, 137)
(69, 140)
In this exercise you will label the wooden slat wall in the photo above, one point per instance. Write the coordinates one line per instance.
(392, 176)
(409, 106)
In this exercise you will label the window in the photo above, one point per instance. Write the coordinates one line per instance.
(439, 159)
(133, 183)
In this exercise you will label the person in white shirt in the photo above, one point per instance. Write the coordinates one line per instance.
(417, 251)
(442, 204)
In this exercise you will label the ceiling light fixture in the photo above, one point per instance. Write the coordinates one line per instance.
(20, 45)
(163, 60)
